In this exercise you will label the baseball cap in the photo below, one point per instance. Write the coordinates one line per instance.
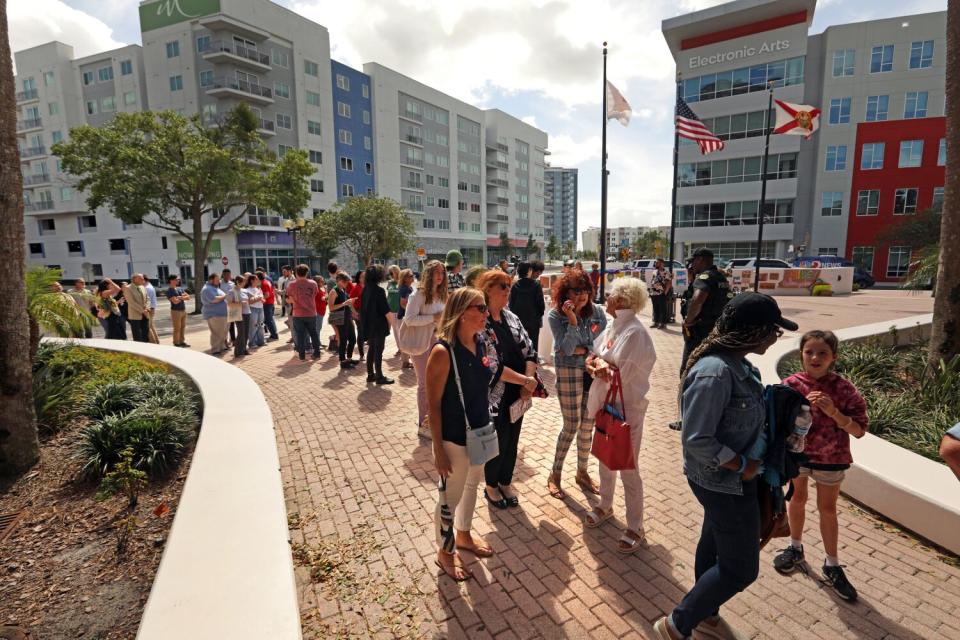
(454, 258)
(569, 263)
(703, 252)
(757, 310)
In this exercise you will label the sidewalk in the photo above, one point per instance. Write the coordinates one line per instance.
(360, 493)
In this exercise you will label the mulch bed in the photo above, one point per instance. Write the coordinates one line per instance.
(60, 575)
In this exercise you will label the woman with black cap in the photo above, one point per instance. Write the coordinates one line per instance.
(723, 415)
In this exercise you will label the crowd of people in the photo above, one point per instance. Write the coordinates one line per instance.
(472, 340)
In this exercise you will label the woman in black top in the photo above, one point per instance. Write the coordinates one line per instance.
(526, 299)
(460, 334)
(348, 338)
(375, 320)
(513, 363)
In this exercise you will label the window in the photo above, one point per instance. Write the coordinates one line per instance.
(911, 153)
(313, 127)
(346, 191)
(284, 121)
(828, 251)
(282, 150)
(474, 188)
(66, 193)
(915, 105)
(367, 143)
(108, 104)
(126, 67)
(863, 257)
(462, 185)
(176, 83)
(316, 157)
(343, 82)
(840, 111)
(905, 201)
(75, 247)
(311, 68)
(461, 206)
(209, 112)
(877, 108)
(36, 249)
(282, 89)
(898, 262)
(881, 59)
(203, 44)
(868, 202)
(921, 54)
(937, 197)
(429, 179)
(368, 168)
(117, 245)
(57, 136)
(443, 225)
(91, 107)
(443, 203)
(88, 223)
(442, 140)
(87, 78)
(316, 186)
(831, 203)
(366, 117)
(105, 74)
(346, 137)
(281, 58)
(843, 62)
(313, 98)
(443, 161)
(48, 78)
(173, 49)
(129, 98)
(346, 163)
(872, 156)
(743, 80)
(942, 153)
(428, 223)
(443, 182)
(343, 109)
(365, 90)
(474, 207)
(47, 226)
(836, 158)
(206, 78)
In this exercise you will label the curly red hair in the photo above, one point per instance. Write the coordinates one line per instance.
(573, 279)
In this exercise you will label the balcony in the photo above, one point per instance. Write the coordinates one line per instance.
(496, 217)
(496, 164)
(498, 146)
(412, 162)
(261, 220)
(36, 180)
(267, 127)
(231, 87)
(497, 182)
(413, 207)
(224, 51)
(414, 185)
(42, 205)
(33, 124)
(412, 139)
(33, 152)
(501, 201)
(28, 95)
(411, 115)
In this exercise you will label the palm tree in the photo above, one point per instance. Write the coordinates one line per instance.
(945, 332)
(51, 309)
(19, 448)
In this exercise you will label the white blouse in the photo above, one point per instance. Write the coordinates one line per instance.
(418, 313)
(627, 345)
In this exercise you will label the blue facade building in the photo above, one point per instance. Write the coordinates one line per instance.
(353, 122)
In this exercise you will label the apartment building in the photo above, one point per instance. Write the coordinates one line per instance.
(880, 86)
(617, 237)
(203, 57)
(560, 195)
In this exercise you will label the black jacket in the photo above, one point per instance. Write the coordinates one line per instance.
(373, 311)
(526, 301)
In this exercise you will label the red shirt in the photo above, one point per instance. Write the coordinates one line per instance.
(595, 278)
(302, 294)
(321, 301)
(356, 291)
(269, 297)
(827, 445)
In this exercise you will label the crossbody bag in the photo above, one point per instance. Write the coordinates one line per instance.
(482, 445)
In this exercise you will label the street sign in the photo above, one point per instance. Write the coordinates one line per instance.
(421, 252)
(224, 260)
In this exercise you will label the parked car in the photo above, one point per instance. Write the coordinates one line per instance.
(751, 263)
(863, 278)
(650, 263)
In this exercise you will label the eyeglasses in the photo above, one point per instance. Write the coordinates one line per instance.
(578, 292)
(482, 308)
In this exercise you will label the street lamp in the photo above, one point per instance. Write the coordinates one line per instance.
(294, 227)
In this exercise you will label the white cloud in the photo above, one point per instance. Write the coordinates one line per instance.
(35, 22)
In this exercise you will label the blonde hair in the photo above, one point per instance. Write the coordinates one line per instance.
(406, 273)
(632, 290)
(394, 272)
(426, 282)
(457, 304)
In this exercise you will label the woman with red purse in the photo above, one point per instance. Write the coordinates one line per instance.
(624, 357)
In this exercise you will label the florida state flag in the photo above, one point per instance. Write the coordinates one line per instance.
(796, 119)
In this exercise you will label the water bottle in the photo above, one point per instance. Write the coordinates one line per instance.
(797, 440)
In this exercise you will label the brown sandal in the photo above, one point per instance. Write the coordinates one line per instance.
(464, 573)
(585, 483)
(553, 486)
(481, 551)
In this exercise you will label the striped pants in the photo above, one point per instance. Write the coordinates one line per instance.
(573, 388)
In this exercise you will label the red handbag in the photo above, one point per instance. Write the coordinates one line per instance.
(611, 436)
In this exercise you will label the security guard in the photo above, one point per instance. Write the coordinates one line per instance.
(704, 300)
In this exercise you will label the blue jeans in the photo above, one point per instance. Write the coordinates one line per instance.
(728, 554)
(268, 311)
(305, 329)
(256, 327)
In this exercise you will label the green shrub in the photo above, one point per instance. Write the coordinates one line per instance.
(112, 398)
(52, 402)
(156, 436)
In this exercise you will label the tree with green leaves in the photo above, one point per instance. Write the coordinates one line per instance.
(367, 226)
(177, 174)
(53, 310)
(531, 249)
(506, 246)
(646, 243)
(553, 248)
(19, 447)
(569, 248)
(920, 232)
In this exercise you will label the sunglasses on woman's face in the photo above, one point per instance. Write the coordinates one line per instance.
(482, 308)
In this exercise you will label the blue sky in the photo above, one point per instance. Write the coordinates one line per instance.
(536, 59)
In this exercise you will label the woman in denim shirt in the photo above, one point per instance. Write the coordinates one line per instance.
(723, 415)
(575, 324)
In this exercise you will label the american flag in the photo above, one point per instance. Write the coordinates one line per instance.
(690, 127)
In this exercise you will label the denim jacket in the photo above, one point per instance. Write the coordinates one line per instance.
(723, 415)
(567, 338)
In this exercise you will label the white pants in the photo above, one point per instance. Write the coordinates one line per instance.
(632, 482)
(462, 486)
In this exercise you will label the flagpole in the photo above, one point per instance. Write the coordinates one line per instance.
(763, 189)
(676, 159)
(603, 184)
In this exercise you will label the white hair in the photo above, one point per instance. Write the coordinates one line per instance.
(632, 290)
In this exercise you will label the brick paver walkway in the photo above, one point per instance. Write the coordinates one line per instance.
(360, 492)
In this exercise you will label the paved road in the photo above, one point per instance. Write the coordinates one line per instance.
(359, 485)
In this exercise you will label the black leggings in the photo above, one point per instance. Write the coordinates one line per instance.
(348, 339)
(375, 344)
